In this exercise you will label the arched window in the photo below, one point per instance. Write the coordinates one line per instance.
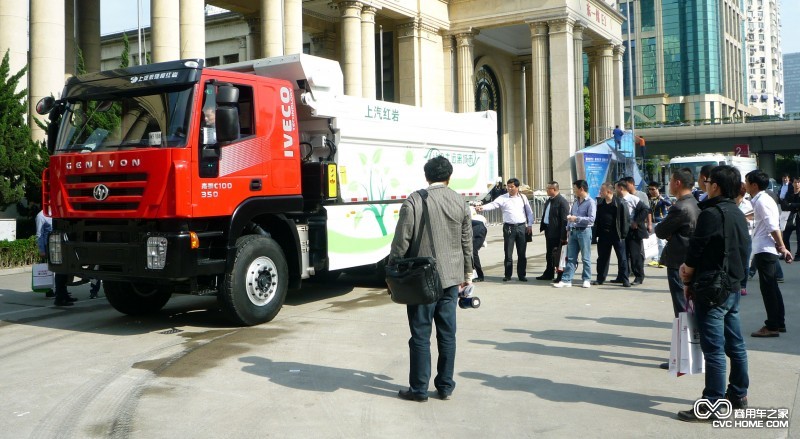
(487, 97)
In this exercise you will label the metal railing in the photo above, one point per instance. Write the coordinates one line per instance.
(537, 199)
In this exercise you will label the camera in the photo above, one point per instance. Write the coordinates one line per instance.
(469, 302)
(466, 299)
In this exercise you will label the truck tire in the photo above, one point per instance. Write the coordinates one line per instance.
(255, 289)
(136, 298)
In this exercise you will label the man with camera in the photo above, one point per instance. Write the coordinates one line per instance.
(451, 228)
(712, 272)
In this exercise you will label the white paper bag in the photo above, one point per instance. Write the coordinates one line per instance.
(41, 277)
(562, 260)
(650, 247)
(685, 354)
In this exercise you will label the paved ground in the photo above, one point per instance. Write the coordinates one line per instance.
(533, 361)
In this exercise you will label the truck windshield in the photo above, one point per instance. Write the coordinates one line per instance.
(147, 119)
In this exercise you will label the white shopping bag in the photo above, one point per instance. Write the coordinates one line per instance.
(685, 354)
(41, 278)
(650, 247)
(562, 259)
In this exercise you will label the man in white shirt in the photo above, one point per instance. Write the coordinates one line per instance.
(517, 225)
(767, 246)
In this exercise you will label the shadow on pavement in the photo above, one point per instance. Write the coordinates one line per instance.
(570, 393)
(574, 353)
(317, 378)
(594, 338)
(624, 321)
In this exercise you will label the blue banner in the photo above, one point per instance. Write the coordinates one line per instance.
(596, 168)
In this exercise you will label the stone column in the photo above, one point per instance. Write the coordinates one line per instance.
(89, 33)
(165, 30)
(562, 97)
(408, 59)
(449, 71)
(466, 70)
(271, 28)
(193, 29)
(539, 138)
(46, 68)
(253, 37)
(351, 47)
(368, 52)
(577, 41)
(619, 100)
(70, 38)
(292, 26)
(594, 99)
(14, 37)
(607, 84)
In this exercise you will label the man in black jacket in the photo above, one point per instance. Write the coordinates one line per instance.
(791, 203)
(554, 226)
(677, 228)
(611, 227)
(719, 242)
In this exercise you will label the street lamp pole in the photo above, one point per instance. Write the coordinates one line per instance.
(630, 79)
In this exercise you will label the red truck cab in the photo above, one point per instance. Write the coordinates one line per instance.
(157, 175)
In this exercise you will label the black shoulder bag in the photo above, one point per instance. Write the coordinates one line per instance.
(713, 287)
(415, 280)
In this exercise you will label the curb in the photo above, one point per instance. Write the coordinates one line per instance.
(15, 270)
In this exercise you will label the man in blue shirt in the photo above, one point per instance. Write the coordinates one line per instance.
(579, 226)
(618, 133)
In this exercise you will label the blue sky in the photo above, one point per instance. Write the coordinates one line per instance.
(119, 15)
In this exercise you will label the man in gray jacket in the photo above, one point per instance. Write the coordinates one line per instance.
(452, 238)
(677, 227)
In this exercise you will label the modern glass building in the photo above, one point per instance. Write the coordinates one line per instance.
(687, 59)
(791, 70)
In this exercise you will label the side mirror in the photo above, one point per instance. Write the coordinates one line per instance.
(45, 104)
(227, 123)
(227, 95)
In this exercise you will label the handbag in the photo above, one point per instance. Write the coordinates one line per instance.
(528, 235)
(713, 287)
(415, 280)
(685, 353)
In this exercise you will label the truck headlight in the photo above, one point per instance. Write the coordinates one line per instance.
(156, 252)
(54, 248)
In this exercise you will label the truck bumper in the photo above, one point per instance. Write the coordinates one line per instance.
(119, 252)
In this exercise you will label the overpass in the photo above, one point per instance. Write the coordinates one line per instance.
(766, 138)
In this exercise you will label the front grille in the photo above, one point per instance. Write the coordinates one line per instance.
(125, 191)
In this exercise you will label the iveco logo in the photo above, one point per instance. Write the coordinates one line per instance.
(100, 192)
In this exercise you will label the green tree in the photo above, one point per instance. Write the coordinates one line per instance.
(21, 159)
(125, 57)
(587, 115)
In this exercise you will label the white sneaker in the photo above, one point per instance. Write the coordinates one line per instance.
(562, 284)
(587, 284)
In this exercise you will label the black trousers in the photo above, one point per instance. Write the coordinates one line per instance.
(478, 238)
(773, 299)
(514, 235)
(633, 248)
(552, 242)
(605, 242)
(792, 225)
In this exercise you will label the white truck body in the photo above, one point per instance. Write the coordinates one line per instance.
(381, 148)
(696, 162)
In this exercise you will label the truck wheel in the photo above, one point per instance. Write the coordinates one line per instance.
(254, 290)
(136, 298)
